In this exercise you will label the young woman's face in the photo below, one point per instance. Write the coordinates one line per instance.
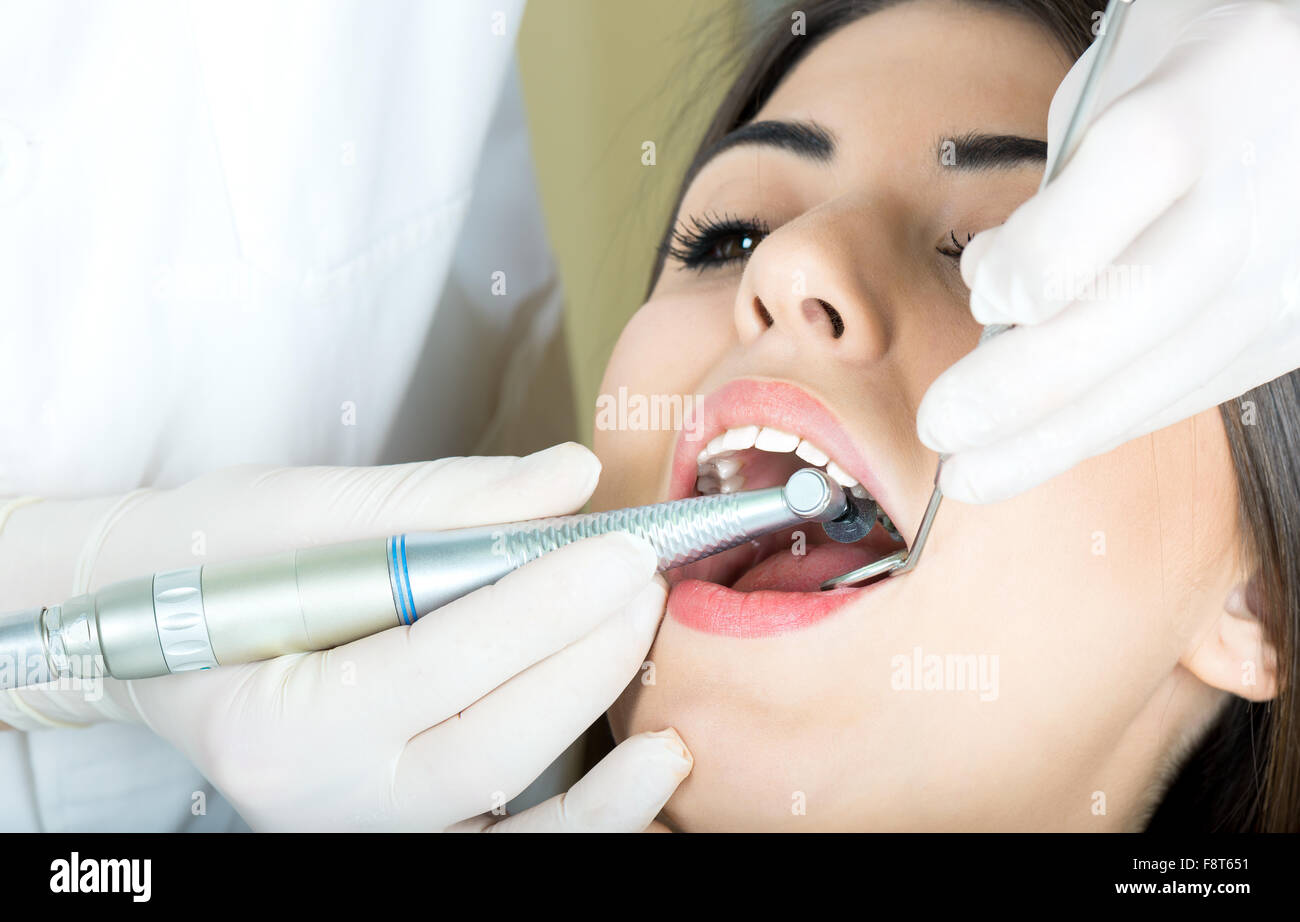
(1026, 674)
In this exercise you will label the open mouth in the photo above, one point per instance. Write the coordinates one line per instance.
(758, 434)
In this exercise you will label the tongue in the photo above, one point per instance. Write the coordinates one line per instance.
(788, 572)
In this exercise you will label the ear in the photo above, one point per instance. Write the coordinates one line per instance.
(1235, 654)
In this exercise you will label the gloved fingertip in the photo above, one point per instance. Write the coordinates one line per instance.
(972, 257)
(624, 792)
(1004, 298)
(647, 609)
(570, 460)
(927, 435)
(937, 421)
(1024, 305)
(609, 575)
(956, 483)
(632, 551)
(667, 749)
(983, 481)
(564, 454)
(984, 309)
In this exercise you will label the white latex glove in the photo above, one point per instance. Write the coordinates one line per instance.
(414, 728)
(1181, 205)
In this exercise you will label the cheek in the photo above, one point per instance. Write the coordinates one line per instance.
(665, 351)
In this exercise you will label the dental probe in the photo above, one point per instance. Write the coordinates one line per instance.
(904, 561)
(317, 598)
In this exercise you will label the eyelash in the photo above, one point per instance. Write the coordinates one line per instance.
(693, 243)
(957, 247)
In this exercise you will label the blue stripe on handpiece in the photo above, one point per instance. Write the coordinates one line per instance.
(409, 599)
(396, 569)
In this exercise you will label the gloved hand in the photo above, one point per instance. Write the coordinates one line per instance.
(1158, 275)
(414, 728)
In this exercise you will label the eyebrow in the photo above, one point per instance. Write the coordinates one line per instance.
(970, 152)
(973, 151)
(806, 139)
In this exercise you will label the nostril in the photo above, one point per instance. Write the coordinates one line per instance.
(837, 322)
(762, 312)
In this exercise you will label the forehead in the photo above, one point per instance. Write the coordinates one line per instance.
(925, 67)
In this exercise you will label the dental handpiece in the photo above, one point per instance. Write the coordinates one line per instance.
(318, 598)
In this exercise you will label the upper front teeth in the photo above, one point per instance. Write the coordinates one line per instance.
(719, 470)
(811, 453)
(841, 476)
(770, 439)
(739, 439)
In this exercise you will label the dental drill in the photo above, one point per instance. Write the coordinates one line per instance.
(318, 598)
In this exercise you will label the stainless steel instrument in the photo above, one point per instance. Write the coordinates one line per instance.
(317, 598)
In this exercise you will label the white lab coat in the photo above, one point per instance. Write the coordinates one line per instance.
(223, 227)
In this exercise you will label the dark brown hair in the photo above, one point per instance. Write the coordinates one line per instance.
(1244, 774)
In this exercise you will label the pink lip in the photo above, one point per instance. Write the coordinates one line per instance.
(777, 404)
(716, 609)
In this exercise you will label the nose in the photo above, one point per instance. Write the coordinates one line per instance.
(811, 283)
